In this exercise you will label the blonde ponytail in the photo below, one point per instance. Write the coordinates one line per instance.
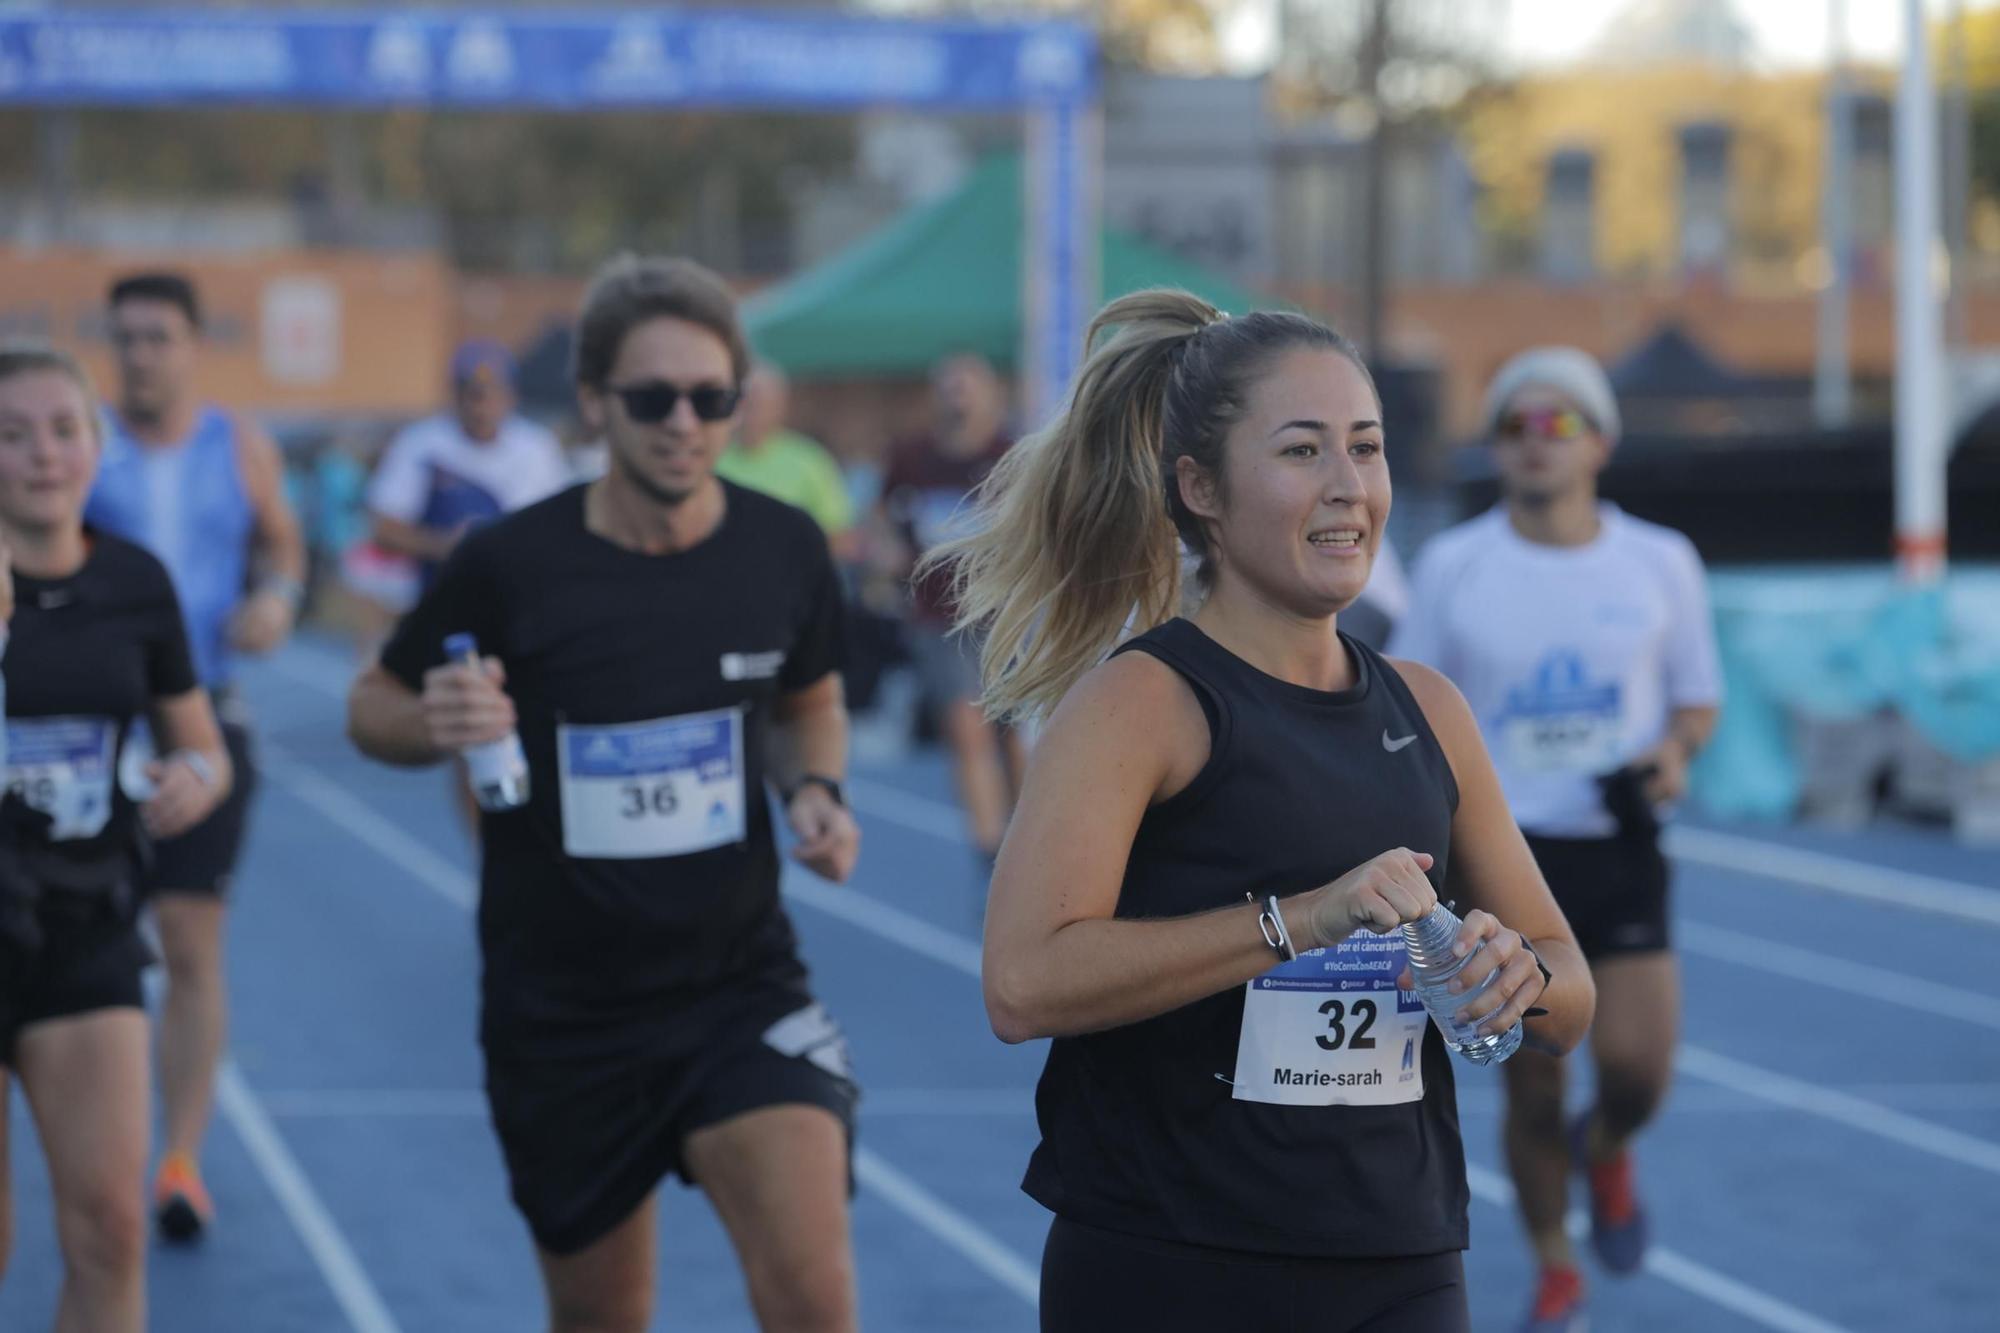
(1076, 534)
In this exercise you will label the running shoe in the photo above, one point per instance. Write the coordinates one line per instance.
(181, 1204)
(1559, 1304)
(1618, 1230)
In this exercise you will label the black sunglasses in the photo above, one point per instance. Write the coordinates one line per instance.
(650, 404)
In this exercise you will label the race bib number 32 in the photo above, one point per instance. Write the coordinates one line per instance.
(638, 790)
(1331, 1029)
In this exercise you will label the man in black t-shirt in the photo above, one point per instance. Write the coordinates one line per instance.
(666, 644)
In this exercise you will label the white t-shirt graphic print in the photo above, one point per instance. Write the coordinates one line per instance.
(1572, 658)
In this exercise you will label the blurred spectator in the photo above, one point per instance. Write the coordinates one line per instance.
(767, 456)
(924, 490)
(1382, 603)
(469, 465)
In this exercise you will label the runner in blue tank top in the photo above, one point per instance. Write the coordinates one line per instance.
(1225, 1145)
(203, 490)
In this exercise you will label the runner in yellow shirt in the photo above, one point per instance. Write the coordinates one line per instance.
(767, 456)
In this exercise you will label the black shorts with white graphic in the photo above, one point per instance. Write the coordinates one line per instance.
(1613, 890)
(587, 1139)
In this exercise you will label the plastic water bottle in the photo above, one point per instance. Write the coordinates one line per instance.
(499, 769)
(1429, 943)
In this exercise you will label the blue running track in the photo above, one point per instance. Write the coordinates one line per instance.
(1830, 1159)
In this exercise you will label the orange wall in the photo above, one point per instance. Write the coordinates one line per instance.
(391, 331)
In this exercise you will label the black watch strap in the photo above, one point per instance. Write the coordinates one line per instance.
(1537, 1011)
(833, 789)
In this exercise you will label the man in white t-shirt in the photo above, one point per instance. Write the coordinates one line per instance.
(1383, 601)
(1582, 639)
(447, 473)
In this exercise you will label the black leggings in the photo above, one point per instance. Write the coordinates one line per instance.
(1094, 1281)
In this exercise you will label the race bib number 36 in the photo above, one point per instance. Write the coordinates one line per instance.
(63, 767)
(669, 787)
(1332, 1029)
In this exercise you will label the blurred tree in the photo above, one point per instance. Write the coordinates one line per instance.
(507, 189)
(1382, 68)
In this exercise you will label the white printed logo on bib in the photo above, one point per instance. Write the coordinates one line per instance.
(63, 767)
(638, 790)
(1561, 722)
(1331, 1029)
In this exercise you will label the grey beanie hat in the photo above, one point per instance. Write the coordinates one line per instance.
(1571, 372)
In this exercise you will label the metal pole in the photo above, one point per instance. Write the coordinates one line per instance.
(1375, 190)
(1922, 414)
(1832, 398)
(1957, 163)
(1059, 253)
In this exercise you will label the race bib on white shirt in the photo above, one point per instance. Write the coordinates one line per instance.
(1562, 721)
(639, 790)
(1331, 1029)
(64, 767)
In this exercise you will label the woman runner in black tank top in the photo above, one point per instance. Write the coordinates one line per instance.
(1233, 1137)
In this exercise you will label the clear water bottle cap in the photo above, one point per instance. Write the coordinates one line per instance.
(1429, 941)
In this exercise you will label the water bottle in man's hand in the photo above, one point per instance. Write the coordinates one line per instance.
(498, 769)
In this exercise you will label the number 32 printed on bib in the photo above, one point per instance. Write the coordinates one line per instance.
(1331, 1028)
(638, 790)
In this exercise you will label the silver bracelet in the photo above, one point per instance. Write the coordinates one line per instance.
(1271, 922)
(197, 763)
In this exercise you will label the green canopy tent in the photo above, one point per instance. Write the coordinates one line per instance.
(943, 278)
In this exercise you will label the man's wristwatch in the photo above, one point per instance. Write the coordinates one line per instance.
(817, 780)
(1537, 1011)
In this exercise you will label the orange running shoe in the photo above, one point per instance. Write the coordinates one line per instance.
(1559, 1304)
(181, 1204)
(1619, 1231)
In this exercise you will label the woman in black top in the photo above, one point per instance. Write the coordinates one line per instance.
(1227, 1143)
(94, 640)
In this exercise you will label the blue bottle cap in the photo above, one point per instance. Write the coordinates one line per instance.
(460, 645)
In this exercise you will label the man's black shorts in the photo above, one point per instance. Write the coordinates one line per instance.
(88, 958)
(202, 861)
(588, 1138)
(1613, 890)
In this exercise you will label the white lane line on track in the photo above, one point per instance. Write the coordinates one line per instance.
(1839, 1107)
(1494, 1188)
(1877, 984)
(317, 1230)
(1825, 873)
(949, 1225)
(978, 1246)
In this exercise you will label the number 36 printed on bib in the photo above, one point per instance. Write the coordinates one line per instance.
(637, 790)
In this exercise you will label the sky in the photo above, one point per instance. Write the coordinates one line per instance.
(1790, 33)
